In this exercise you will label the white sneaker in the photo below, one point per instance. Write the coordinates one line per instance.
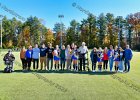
(93, 71)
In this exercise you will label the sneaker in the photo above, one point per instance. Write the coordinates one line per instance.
(93, 71)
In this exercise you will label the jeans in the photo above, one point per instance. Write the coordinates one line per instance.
(111, 63)
(48, 60)
(121, 64)
(127, 64)
(35, 63)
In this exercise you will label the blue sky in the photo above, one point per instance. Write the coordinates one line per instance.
(50, 9)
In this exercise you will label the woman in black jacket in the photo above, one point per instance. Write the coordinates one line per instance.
(93, 57)
(121, 59)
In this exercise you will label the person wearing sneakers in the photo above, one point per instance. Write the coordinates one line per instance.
(105, 59)
(116, 58)
(75, 58)
(100, 59)
(62, 57)
(35, 56)
(121, 60)
(56, 57)
(23, 58)
(29, 54)
(111, 57)
(128, 57)
(43, 51)
(93, 57)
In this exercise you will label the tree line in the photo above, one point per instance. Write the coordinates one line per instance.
(103, 31)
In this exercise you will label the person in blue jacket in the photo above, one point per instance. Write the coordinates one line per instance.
(128, 56)
(28, 57)
(94, 58)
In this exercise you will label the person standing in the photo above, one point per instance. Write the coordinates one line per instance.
(56, 57)
(83, 50)
(116, 58)
(35, 56)
(23, 58)
(62, 58)
(43, 51)
(100, 59)
(75, 58)
(111, 57)
(29, 54)
(50, 50)
(93, 57)
(128, 57)
(121, 59)
(68, 54)
(105, 59)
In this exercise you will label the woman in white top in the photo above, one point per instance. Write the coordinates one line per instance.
(68, 54)
(56, 57)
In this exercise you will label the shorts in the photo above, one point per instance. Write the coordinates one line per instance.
(74, 58)
(116, 59)
(56, 58)
(100, 60)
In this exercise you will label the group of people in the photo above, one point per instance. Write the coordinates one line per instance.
(54, 57)
(57, 58)
(118, 57)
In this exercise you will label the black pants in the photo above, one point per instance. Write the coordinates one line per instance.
(82, 62)
(29, 60)
(62, 63)
(94, 65)
(105, 64)
(24, 63)
(35, 63)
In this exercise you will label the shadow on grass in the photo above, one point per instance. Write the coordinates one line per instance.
(65, 72)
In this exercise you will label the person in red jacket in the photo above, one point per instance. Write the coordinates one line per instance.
(105, 58)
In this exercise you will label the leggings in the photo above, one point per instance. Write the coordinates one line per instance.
(105, 64)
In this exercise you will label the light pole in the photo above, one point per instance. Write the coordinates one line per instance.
(61, 29)
(119, 17)
(1, 16)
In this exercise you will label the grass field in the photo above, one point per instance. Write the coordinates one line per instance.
(69, 85)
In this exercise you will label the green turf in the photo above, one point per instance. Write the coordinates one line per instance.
(44, 85)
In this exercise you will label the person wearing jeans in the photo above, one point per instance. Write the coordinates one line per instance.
(128, 56)
(111, 57)
(50, 50)
(35, 56)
